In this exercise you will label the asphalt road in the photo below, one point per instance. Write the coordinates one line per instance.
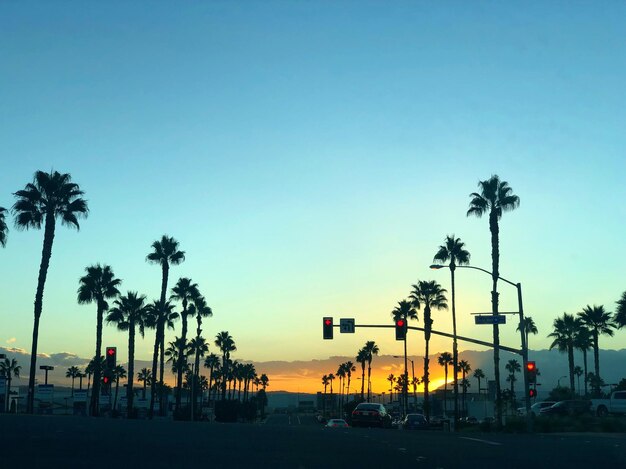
(285, 441)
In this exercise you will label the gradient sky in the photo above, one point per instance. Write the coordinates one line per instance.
(310, 157)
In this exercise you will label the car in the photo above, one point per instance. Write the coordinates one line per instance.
(414, 422)
(569, 407)
(535, 409)
(337, 423)
(368, 414)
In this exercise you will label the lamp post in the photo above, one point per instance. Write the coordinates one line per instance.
(46, 368)
(522, 329)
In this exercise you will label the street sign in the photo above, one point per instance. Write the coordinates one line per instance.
(490, 319)
(80, 395)
(346, 325)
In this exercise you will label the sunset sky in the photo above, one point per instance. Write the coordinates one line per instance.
(310, 157)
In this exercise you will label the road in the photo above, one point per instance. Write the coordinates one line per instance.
(285, 441)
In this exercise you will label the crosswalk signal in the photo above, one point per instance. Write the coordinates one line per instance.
(531, 372)
(532, 392)
(327, 326)
(400, 329)
(111, 358)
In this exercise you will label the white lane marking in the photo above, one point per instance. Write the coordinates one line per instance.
(482, 441)
(298, 417)
(401, 449)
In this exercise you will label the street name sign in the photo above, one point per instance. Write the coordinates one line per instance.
(346, 325)
(489, 319)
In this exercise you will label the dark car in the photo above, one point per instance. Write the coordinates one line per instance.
(414, 422)
(371, 415)
(571, 407)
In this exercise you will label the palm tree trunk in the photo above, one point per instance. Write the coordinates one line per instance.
(495, 261)
(181, 358)
(130, 395)
(73, 378)
(570, 359)
(97, 372)
(369, 374)
(585, 363)
(164, 277)
(426, 382)
(117, 385)
(362, 380)
(596, 354)
(46, 253)
(445, 388)
(155, 356)
(455, 349)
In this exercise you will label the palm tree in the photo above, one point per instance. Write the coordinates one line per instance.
(128, 313)
(98, 285)
(578, 371)
(404, 310)
(495, 198)
(341, 374)
(361, 357)
(159, 316)
(599, 323)
(620, 312)
(50, 196)
(185, 291)
(349, 369)
(200, 309)
(199, 347)
(144, 377)
(371, 349)
(430, 295)
(211, 362)
(529, 328)
(391, 378)
(119, 372)
(9, 369)
(479, 374)
(445, 360)
(583, 342)
(465, 368)
(165, 252)
(512, 367)
(226, 344)
(325, 382)
(4, 229)
(92, 366)
(564, 335)
(453, 250)
(72, 372)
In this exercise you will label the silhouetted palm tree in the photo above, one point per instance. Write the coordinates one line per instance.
(479, 374)
(361, 357)
(495, 198)
(464, 368)
(445, 360)
(529, 328)
(119, 372)
(371, 349)
(453, 250)
(72, 372)
(9, 369)
(349, 369)
(144, 377)
(226, 344)
(211, 362)
(98, 285)
(4, 229)
(128, 313)
(50, 196)
(578, 371)
(599, 323)
(341, 374)
(198, 347)
(583, 342)
(620, 312)
(404, 310)
(391, 378)
(91, 366)
(184, 291)
(430, 295)
(512, 367)
(564, 335)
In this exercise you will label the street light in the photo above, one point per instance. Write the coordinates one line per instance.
(46, 368)
(522, 329)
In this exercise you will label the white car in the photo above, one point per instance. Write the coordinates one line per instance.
(337, 423)
(535, 409)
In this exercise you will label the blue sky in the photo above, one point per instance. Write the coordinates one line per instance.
(310, 157)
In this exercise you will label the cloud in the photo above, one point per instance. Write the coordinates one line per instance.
(11, 340)
(43, 355)
(16, 350)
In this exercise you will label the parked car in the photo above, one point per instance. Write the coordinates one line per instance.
(615, 404)
(535, 409)
(570, 407)
(367, 414)
(337, 423)
(414, 422)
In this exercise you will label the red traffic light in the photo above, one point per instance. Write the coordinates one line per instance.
(110, 351)
(400, 323)
(105, 380)
(328, 322)
(327, 325)
(530, 366)
(532, 392)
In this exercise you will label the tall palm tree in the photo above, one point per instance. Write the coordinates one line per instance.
(391, 378)
(464, 368)
(371, 349)
(4, 229)
(128, 314)
(98, 285)
(144, 377)
(529, 328)
(361, 357)
(578, 371)
(92, 366)
(564, 333)
(512, 367)
(599, 322)
(341, 374)
(9, 369)
(50, 196)
(184, 291)
(226, 344)
(404, 310)
(495, 198)
(159, 316)
(445, 360)
(430, 295)
(349, 369)
(198, 347)
(165, 252)
(479, 374)
(119, 372)
(583, 342)
(453, 250)
(72, 372)
(620, 312)
(211, 362)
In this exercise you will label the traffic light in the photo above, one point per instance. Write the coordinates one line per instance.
(400, 329)
(532, 392)
(328, 328)
(111, 358)
(531, 372)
